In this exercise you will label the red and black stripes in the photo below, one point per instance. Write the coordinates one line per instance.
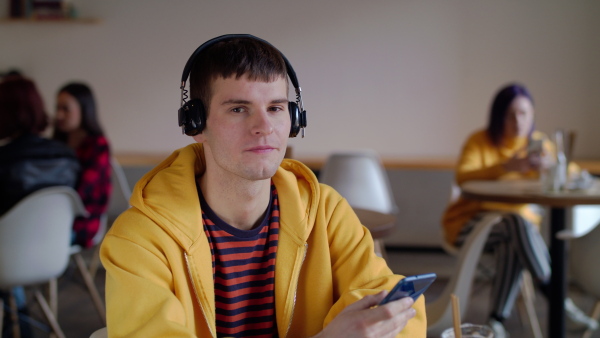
(244, 273)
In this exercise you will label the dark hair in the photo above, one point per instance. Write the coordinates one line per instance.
(500, 106)
(21, 108)
(89, 119)
(235, 57)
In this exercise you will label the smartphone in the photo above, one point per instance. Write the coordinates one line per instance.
(412, 286)
(534, 147)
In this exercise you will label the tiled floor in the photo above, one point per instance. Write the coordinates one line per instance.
(78, 317)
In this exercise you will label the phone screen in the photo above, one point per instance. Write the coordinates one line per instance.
(412, 286)
(534, 147)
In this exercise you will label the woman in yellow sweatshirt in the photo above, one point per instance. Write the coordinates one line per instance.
(499, 152)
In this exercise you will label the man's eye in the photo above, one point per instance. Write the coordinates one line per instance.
(237, 110)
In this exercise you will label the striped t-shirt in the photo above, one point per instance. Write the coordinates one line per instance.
(244, 272)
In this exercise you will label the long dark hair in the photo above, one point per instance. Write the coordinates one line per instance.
(500, 105)
(21, 108)
(89, 119)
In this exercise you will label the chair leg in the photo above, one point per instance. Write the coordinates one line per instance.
(89, 282)
(1, 314)
(49, 314)
(95, 262)
(595, 315)
(53, 296)
(528, 296)
(379, 248)
(14, 314)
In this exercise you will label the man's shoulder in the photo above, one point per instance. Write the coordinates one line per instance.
(133, 223)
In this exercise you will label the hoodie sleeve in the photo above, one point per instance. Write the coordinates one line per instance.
(141, 286)
(471, 164)
(351, 245)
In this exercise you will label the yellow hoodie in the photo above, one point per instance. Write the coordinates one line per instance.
(159, 279)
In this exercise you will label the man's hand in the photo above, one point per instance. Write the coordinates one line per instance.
(360, 320)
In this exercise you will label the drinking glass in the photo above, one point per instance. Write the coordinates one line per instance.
(470, 331)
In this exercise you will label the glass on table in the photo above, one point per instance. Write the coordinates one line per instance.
(470, 331)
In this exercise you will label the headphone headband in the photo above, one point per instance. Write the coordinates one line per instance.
(192, 116)
(188, 65)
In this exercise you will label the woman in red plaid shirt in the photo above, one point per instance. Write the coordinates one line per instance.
(77, 125)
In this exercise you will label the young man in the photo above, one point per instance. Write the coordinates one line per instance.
(225, 238)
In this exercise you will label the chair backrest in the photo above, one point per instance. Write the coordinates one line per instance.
(35, 236)
(119, 199)
(581, 219)
(439, 312)
(361, 179)
(454, 195)
(584, 267)
(101, 333)
(118, 202)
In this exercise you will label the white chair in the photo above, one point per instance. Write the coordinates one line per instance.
(527, 288)
(439, 312)
(35, 238)
(361, 179)
(119, 201)
(581, 219)
(101, 333)
(584, 253)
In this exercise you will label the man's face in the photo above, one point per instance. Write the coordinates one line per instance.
(247, 127)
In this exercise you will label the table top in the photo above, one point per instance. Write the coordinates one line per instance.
(528, 191)
(379, 224)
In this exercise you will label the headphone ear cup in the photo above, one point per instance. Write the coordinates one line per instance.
(192, 117)
(295, 118)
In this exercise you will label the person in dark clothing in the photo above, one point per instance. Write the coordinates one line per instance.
(28, 162)
(31, 162)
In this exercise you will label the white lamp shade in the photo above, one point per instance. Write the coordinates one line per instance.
(361, 179)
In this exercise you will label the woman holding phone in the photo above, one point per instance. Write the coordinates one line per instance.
(508, 148)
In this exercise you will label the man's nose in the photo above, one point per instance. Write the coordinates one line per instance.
(262, 123)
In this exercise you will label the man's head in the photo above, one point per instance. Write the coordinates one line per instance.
(234, 56)
(241, 85)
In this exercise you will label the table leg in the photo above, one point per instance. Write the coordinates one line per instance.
(558, 281)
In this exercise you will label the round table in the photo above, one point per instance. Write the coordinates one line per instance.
(529, 191)
(379, 224)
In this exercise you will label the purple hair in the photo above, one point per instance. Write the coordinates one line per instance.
(500, 105)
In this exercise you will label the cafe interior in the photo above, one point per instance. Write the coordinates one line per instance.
(392, 89)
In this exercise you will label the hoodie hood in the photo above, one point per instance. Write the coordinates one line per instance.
(168, 195)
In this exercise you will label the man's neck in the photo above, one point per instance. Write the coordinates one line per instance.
(240, 203)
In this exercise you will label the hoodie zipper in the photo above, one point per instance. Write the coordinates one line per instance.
(287, 331)
(187, 263)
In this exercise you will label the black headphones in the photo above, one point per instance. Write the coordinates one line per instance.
(192, 114)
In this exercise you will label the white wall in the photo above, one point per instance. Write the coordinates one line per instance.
(407, 78)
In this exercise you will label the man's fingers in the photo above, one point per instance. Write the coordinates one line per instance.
(389, 310)
(397, 323)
